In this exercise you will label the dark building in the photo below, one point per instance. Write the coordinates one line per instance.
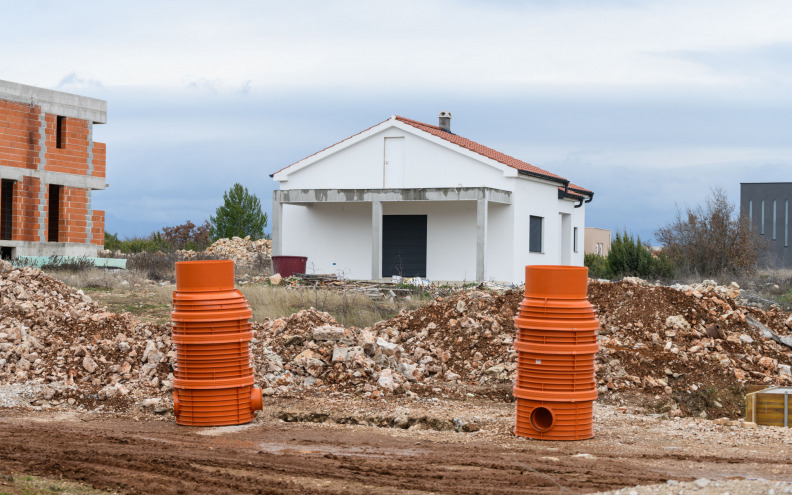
(767, 206)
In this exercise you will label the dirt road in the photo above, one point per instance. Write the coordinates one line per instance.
(272, 456)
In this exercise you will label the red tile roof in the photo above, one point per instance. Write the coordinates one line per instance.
(476, 148)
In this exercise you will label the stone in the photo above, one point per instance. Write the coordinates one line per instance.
(385, 380)
(461, 306)
(276, 279)
(387, 348)
(746, 339)
(340, 354)
(749, 424)
(677, 322)
(328, 333)
(702, 482)
(151, 354)
(89, 364)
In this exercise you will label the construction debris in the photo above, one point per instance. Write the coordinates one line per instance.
(684, 350)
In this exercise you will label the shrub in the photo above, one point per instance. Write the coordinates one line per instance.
(710, 240)
(597, 265)
(187, 236)
(628, 256)
(240, 215)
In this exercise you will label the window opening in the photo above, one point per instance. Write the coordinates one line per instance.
(53, 213)
(750, 213)
(535, 234)
(6, 209)
(575, 239)
(59, 141)
(762, 226)
(774, 219)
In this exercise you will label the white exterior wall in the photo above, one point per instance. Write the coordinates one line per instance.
(336, 237)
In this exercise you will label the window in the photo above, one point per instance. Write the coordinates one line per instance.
(762, 224)
(53, 213)
(59, 141)
(750, 213)
(6, 209)
(535, 235)
(774, 219)
(575, 239)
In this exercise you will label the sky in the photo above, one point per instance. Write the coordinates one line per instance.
(649, 104)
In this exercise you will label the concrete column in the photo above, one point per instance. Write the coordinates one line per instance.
(482, 218)
(376, 240)
(277, 224)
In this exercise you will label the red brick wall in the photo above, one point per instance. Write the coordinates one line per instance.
(72, 157)
(99, 159)
(97, 231)
(19, 135)
(73, 215)
(20, 146)
(26, 201)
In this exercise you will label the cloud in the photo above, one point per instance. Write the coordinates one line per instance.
(771, 63)
(74, 80)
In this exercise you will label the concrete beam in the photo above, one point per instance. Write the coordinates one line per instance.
(368, 195)
(56, 102)
(60, 178)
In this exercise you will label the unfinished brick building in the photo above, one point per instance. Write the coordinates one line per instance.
(49, 165)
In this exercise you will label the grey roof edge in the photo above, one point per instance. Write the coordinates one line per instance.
(56, 102)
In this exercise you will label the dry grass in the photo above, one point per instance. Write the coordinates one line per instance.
(349, 308)
(127, 291)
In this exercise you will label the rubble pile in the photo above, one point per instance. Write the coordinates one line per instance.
(692, 344)
(466, 339)
(682, 346)
(244, 252)
(69, 350)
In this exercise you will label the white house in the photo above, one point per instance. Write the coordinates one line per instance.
(412, 199)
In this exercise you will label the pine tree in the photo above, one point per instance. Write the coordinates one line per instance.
(239, 216)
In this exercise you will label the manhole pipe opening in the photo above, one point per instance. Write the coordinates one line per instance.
(542, 418)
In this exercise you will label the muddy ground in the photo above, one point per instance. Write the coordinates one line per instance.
(285, 451)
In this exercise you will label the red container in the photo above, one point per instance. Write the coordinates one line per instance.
(287, 266)
(556, 346)
(213, 382)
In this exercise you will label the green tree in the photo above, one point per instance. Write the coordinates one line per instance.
(239, 216)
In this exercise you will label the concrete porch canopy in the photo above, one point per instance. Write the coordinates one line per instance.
(305, 197)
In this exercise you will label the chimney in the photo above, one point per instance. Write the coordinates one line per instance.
(445, 121)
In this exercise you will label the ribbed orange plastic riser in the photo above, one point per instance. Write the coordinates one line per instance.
(209, 374)
(573, 421)
(540, 362)
(533, 335)
(225, 346)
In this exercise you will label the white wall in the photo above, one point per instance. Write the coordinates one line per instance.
(500, 243)
(426, 164)
(336, 237)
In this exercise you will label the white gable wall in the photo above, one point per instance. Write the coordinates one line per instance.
(425, 164)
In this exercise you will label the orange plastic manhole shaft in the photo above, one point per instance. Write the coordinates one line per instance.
(213, 382)
(556, 345)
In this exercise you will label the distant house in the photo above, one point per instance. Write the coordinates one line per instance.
(49, 167)
(597, 241)
(767, 206)
(413, 199)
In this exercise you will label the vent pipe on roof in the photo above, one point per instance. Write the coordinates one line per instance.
(445, 121)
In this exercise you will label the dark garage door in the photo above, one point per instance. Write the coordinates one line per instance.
(404, 245)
